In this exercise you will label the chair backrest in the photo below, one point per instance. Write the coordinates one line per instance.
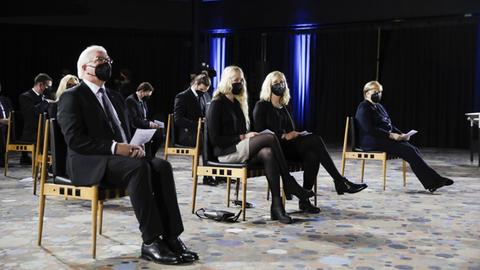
(15, 126)
(40, 132)
(207, 147)
(58, 149)
(170, 139)
(353, 133)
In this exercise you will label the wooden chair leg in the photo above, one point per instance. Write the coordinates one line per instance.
(363, 169)
(6, 164)
(237, 188)
(94, 223)
(41, 211)
(244, 194)
(384, 173)
(193, 164)
(228, 191)
(404, 173)
(194, 196)
(33, 162)
(100, 217)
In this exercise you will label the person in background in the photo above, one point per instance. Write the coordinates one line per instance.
(33, 102)
(228, 125)
(138, 113)
(68, 81)
(5, 109)
(271, 113)
(377, 133)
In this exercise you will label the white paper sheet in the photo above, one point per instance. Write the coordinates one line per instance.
(160, 123)
(305, 133)
(410, 133)
(142, 136)
(266, 131)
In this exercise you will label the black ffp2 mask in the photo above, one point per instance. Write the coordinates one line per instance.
(103, 71)
(278, 89)
(237, 88)
(376, 98)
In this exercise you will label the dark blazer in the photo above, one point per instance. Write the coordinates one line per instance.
(135, 111)
(7, 106)
(225, 123)
(266, 116)
(374, 125)
(186, 112)
(87, 133)
(31, 106)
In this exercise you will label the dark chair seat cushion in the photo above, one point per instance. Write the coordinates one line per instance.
(181, 146)
(21, 142)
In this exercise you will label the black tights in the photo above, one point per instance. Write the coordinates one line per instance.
(312, 151)
(265, 148)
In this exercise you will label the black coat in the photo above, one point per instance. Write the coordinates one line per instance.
(225, 123)
(186, 112)
(135, 111)
(7, 106)
(266, 116)
(87, 133)
(31, 105)
(374, 125)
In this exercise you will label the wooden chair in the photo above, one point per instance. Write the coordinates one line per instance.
(13, 144)
(355, 152)
(42, 118)
(171, 148)
(61, 186)
(212, 167)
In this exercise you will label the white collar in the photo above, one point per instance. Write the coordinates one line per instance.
(93, 86)
(194, 92)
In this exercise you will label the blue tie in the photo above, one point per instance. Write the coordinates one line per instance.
(117, 133)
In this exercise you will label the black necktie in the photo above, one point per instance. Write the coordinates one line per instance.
(144, 108)
(117, 133)
(202, 106)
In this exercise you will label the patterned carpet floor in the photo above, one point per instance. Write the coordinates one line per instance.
(399, 228)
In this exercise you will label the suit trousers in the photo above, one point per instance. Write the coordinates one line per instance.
(411, 154)
(152, 192)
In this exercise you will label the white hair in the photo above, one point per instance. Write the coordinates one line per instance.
(86, 56)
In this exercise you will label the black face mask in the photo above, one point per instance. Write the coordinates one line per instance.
(199, 93)
(278, 89)
(103, 71)
(237, 88)
(145, 98)
(376, 97)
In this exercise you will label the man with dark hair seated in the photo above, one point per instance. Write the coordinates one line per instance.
(138, 112)
(377, 133)
(96, 129)
(33, 103)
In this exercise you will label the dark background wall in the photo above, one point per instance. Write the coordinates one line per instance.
(428, 51)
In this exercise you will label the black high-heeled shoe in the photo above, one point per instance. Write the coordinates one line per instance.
(307, 207)
(343, 185)
(442, 182)
(277, 211)
(291, 187)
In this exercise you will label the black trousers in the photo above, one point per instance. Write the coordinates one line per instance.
(411, 154)
(152, 147)
(311, 150)
(151, 188)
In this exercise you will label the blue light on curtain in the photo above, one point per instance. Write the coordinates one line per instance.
(301, 77)
(217, 57)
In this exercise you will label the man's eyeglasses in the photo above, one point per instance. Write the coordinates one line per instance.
(103, 60)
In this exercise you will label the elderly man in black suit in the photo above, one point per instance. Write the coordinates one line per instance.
(190, 105)
(377, 133)
(138, 112)
(33, 103)
(95, 124)
(5, 109)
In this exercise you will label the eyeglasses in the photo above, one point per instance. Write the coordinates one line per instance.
(103, 60)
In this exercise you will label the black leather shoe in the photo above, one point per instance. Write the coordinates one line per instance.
(343, 185)
(159, 252)
(178, 247)
(208, 180)
(442, 182)
(277, 211)
(291, 187)
(308, 207)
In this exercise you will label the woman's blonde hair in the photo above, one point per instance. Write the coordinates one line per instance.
(266, 92)
(62, 86)
(225, 87)
(371, 85)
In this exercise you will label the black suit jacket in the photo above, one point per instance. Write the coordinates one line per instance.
(225, 123)
(7, 107)
(265, 116)
(87, 132)
(186, 112)
(31, 106)
(135, 111)
(374, 125)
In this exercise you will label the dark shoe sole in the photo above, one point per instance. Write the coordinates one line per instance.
(148, 258)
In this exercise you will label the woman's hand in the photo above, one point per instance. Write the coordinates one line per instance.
(291, 135)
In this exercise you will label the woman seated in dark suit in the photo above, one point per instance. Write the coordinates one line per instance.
(271, 113)
(377, 133)
(228, 124)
